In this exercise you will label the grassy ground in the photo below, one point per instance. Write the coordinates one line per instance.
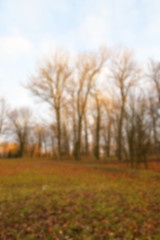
(42, 199)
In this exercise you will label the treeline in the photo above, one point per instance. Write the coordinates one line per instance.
(103, 104)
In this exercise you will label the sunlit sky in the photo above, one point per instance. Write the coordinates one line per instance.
(29, 29)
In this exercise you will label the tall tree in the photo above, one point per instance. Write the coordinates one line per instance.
(88, 66)
(98, 109)
(19, 126)
(49, 84)
(125, 72)
(86, 147)
(154, 76)
(107, 125)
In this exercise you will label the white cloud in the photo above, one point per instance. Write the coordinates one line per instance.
(152, 18)
(32, 14)
(13, 46)
(93, 31)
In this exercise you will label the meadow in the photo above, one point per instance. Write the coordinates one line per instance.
(68, 200)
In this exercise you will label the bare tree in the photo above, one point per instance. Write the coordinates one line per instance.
(67, 126)
(39, 131)
(32, 141)
(155, 121)
(98, 116)
(138, 130)
(86, 147)
(71, 107)
(88, 66)
(49, 84)
(3, 112)
(108, 122)
(154, 76)
(125, 73)
(19, 126)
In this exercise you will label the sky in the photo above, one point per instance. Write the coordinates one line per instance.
(30, 29)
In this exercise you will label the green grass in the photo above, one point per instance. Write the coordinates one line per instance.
(42, 199)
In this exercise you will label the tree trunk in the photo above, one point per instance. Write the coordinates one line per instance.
(21, 149)
(97, 139)
(86, 135)
(58, 132)
(119, 142)
(78, 142)
(108, 139)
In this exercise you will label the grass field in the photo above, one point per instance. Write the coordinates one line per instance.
(43, 199)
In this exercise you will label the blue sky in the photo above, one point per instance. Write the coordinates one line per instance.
(30, 28)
